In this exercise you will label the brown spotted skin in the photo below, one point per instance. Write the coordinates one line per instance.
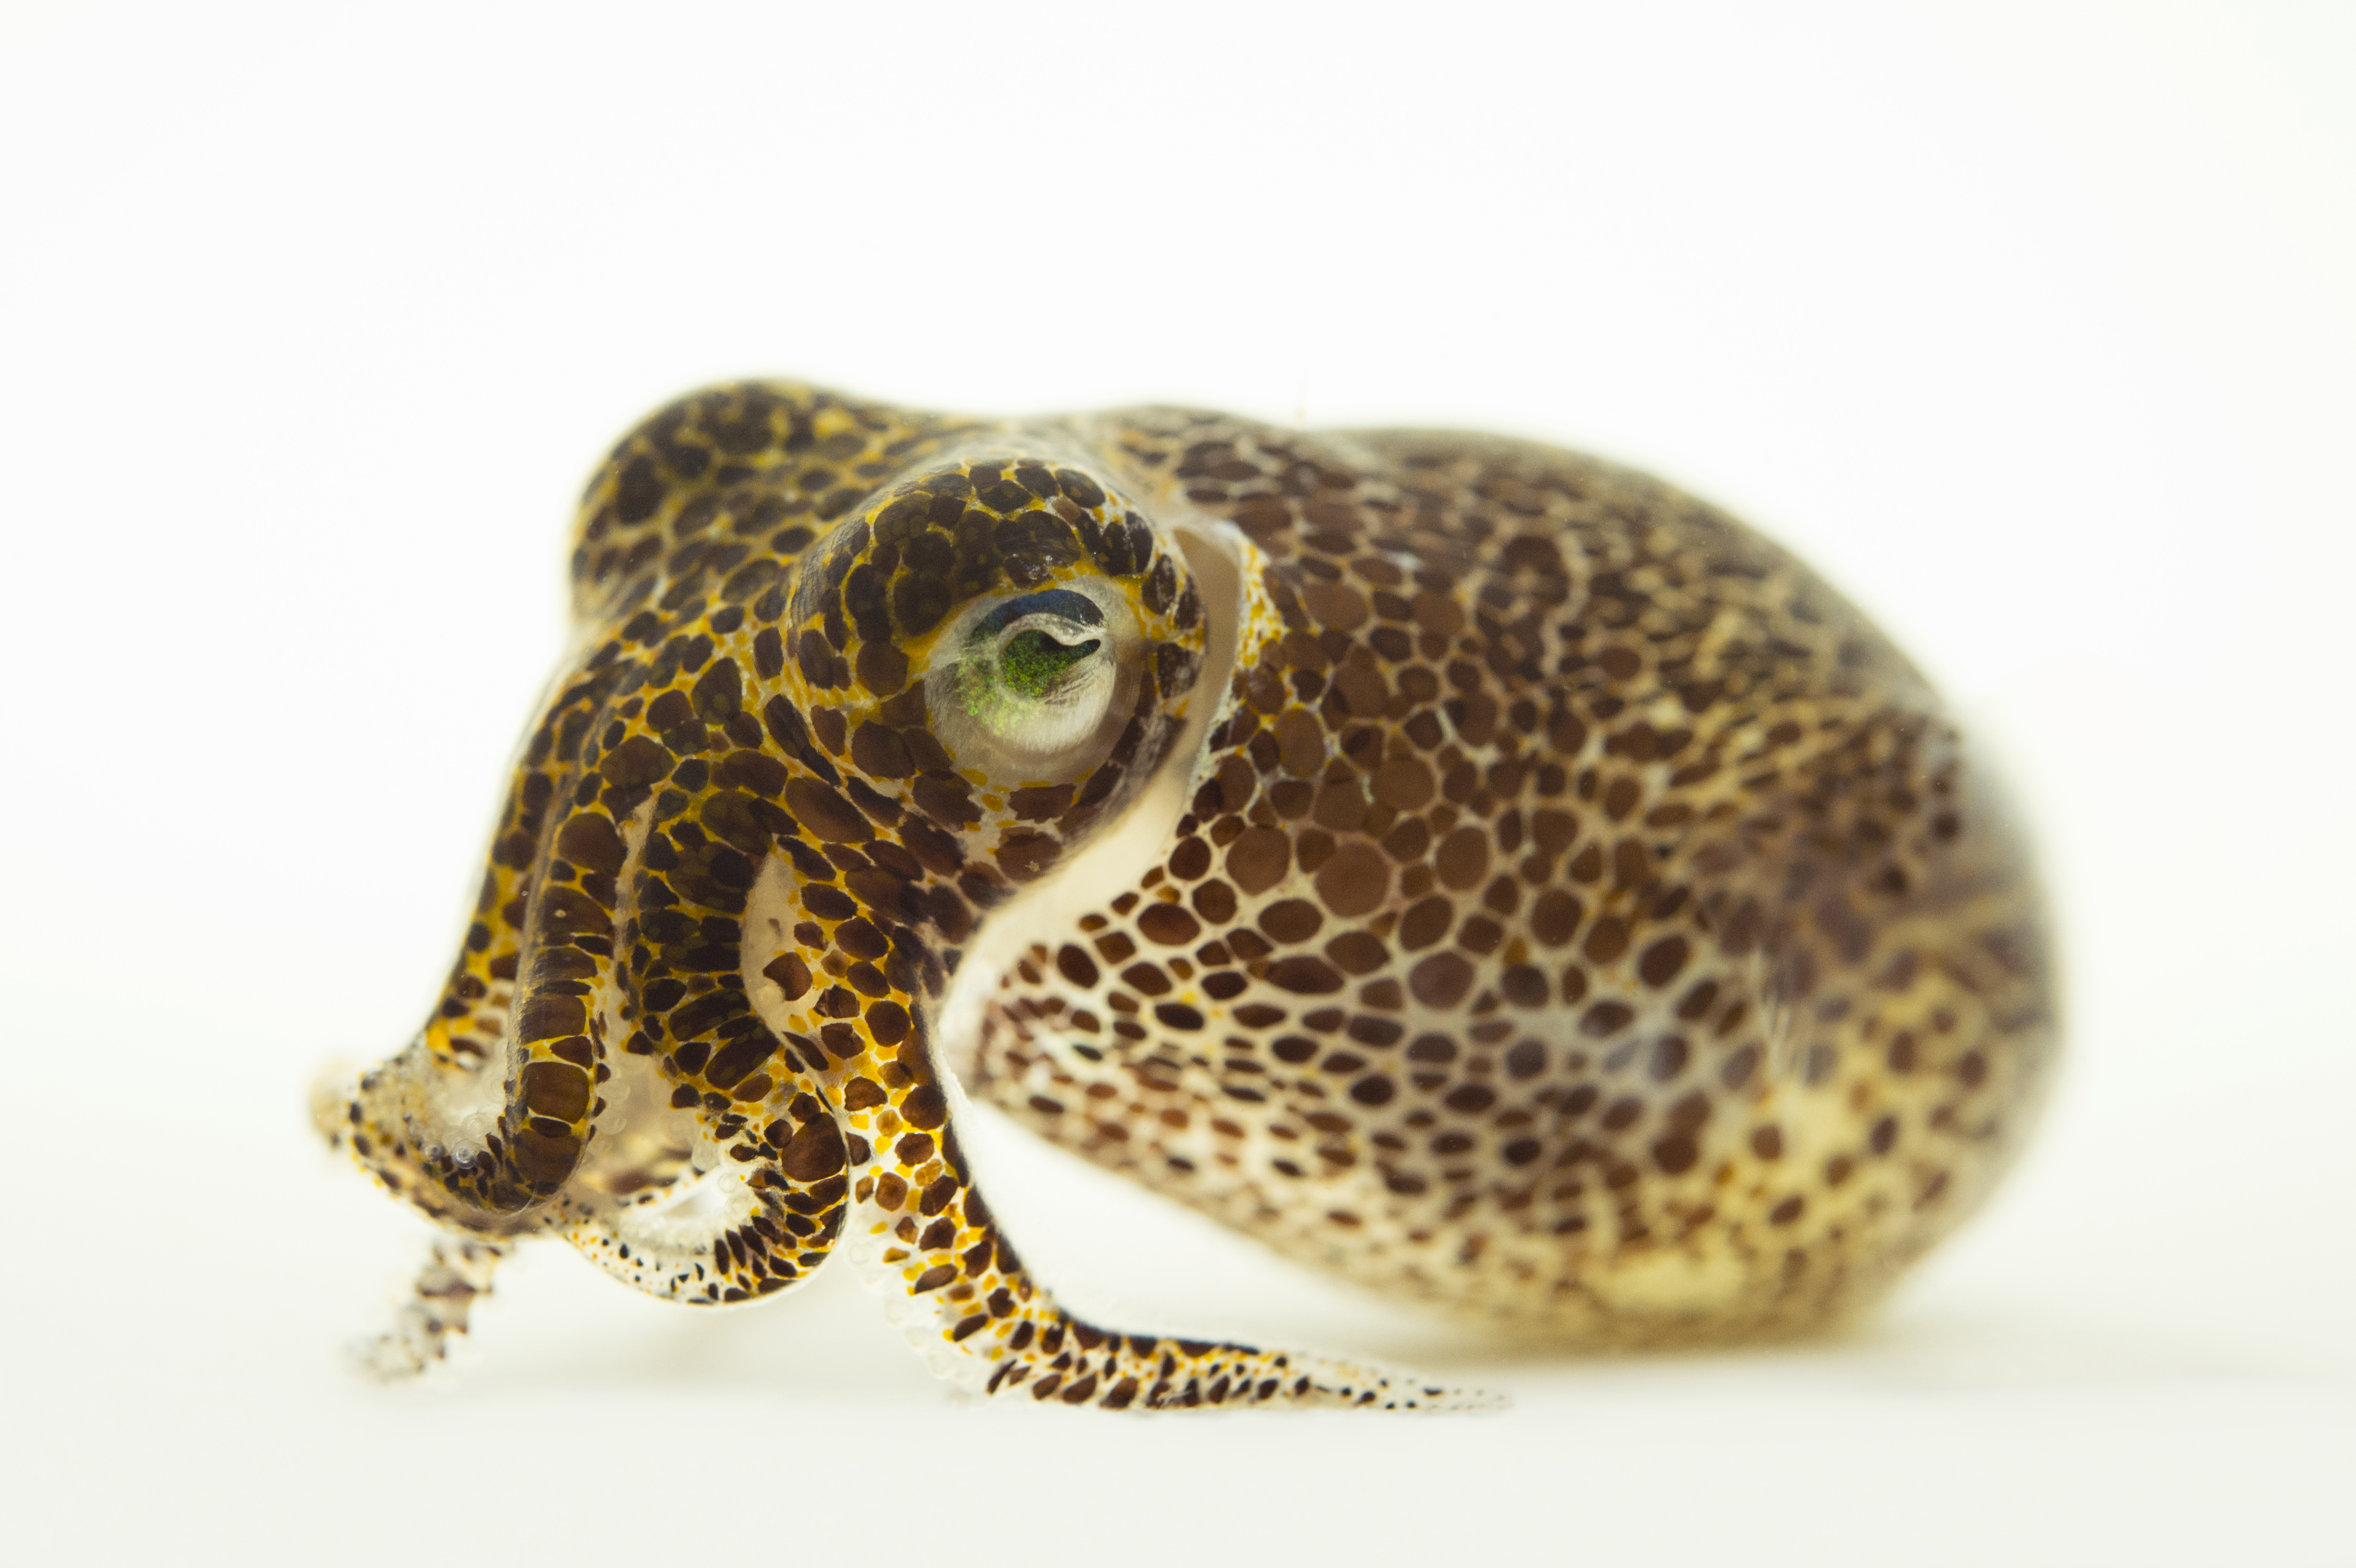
(1583, 919)
(1576, 915)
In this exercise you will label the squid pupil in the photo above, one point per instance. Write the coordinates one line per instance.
(1032, 659)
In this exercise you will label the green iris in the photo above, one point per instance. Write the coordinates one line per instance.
(1032, 660)
(1029, 667)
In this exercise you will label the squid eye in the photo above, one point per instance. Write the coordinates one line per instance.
(1022, 688)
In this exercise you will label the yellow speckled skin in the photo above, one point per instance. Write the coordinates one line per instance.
(1565, 910)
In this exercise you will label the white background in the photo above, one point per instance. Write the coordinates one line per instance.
(2030, 325)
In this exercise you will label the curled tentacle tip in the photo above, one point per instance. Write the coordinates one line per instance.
(1411, 1396)
(390, 1358)
(332, 1088)
(1445, 1401)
